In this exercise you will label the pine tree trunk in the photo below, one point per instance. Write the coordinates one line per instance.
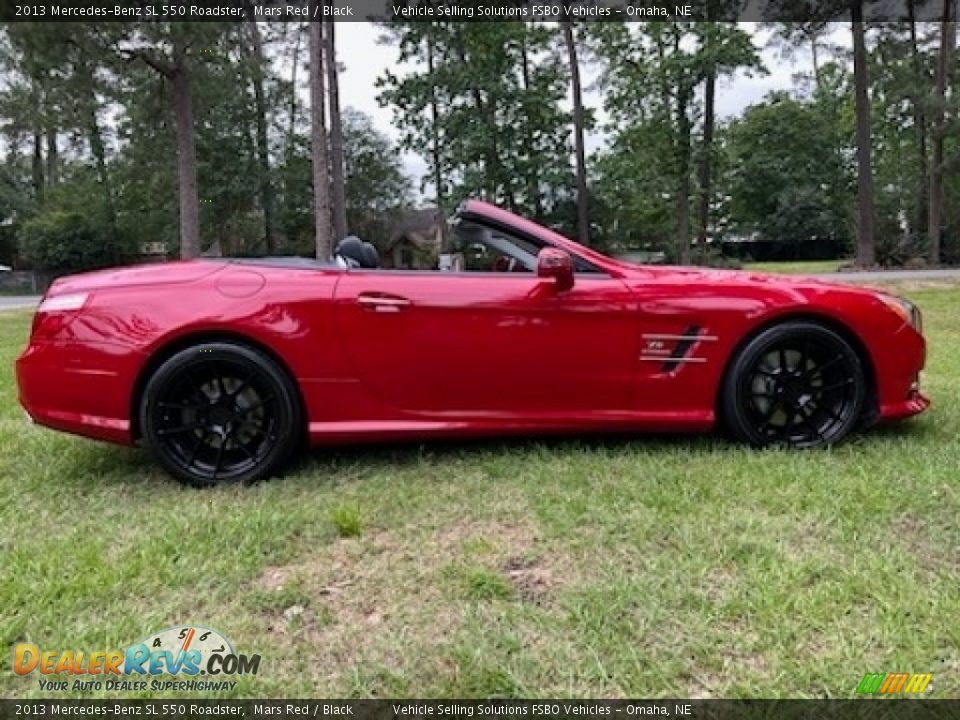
(583, 210)
(267, 200)
(684, 132)
(37, 167)
(706, 162)
(434, 128)
(866, 248)
(338, 195)
(292, 122)
(53, 158)
(935, 219)
(97, 148)
(815, 52)
(95, 138)
(534, 198)
(318, 136)
(186, 160)
(920, 124)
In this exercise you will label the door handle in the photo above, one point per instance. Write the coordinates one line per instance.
(383, 303)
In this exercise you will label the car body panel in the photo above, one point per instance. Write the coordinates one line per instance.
(382, 354)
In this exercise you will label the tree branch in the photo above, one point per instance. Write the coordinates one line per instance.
(165, 69)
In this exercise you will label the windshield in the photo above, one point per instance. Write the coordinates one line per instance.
(484, 248)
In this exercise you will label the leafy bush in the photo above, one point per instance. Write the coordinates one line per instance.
(68, 232)
(63, 240)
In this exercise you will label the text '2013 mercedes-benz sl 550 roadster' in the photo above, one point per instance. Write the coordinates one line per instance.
(223, 368)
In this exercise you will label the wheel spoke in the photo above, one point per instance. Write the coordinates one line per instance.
(179, 405)
(243, 385)
(196, 448)
(834, 386)
(804, 356)
(181, 429)
(223, 443)
(260, 403)
(820, 368)
(810, 425)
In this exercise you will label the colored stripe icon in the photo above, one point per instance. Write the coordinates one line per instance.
(894, 683)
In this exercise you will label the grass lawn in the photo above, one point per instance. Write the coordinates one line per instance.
(796, 267)
(638, 567)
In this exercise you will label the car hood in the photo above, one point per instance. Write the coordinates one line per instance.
(714, 276)
(184, 271)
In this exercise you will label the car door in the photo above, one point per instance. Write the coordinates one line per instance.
(489, 344)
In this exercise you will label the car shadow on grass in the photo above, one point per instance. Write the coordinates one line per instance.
(120, 466)
(406, 453)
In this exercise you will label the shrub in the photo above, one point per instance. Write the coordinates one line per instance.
(67, 233)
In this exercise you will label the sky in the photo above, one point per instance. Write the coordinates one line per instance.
(363, 60)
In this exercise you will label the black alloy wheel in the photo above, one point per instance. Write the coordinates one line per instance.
(220, 412)
(798, 384)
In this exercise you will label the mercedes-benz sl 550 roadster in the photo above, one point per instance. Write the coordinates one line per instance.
(223, 368)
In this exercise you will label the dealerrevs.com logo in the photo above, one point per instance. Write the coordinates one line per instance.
(180, 655)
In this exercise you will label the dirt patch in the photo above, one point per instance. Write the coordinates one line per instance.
(376, 600)
(532, 580)
(719, 585)
(922, 545)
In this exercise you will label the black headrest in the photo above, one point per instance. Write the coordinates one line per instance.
(362, 253)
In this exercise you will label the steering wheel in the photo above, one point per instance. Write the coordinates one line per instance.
(503, 263)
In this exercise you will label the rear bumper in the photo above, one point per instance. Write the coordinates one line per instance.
(81, 388)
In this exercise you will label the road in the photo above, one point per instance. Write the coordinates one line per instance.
(18, 302)
(891, 275)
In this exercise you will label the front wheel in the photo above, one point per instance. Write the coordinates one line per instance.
(220, 412)
(798, 384)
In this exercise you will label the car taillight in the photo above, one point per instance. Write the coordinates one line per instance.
(55, 313)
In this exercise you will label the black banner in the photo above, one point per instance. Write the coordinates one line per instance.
(461, 10)
(890, 709)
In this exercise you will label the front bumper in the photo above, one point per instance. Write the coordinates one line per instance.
(898, 376)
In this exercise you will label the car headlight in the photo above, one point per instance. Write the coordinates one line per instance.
(905, 309)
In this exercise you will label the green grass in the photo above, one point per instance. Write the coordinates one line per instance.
(646, 567)
(796, 267)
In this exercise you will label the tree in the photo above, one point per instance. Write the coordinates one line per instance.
(653, 73)
(583, 210)
(948, 38)
(377, 190)
(175, 65)
(318, 132)
(792, 35)
(336, 135)
(866, 248)
(499, 129)
(257, 62)
(920, 123)
(785, 177)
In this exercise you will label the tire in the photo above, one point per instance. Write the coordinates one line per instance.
(220, 412)
(797, 384)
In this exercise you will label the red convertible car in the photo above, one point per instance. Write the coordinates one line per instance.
(223, 368)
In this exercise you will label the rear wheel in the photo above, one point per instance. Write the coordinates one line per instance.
(797, 384)
(220, 412)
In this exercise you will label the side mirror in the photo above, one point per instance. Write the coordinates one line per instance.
(556, 264)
